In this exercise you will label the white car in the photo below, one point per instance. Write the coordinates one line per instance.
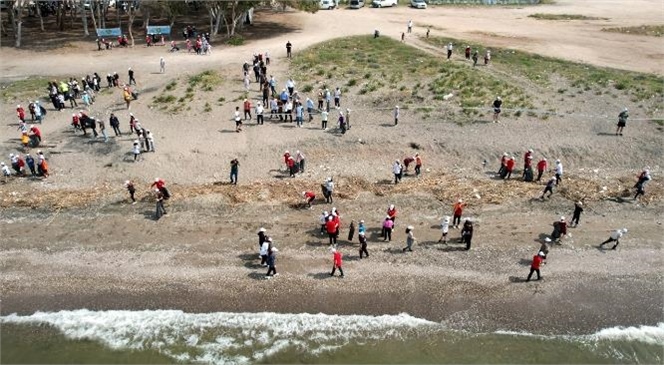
(383, 3)
(327, 4)
(418, 4)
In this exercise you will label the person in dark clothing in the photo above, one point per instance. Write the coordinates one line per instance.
(31, 164)
(131, 189)
(289, 47)
(131, 76)
(467, 233)
(497, 104)
(351, 231)
(115, 124)
(271, 262)
(475, 58)
(549, 188)
(622, 122)
(160, 204)
(235, 164)
(535, 265)
(363, 244)
(578, 209)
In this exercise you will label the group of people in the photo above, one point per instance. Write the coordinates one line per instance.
(38, 167)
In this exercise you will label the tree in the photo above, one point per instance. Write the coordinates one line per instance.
(310, 6)
(235, 10)
(39, 14)
(15, 9)
(132, 15)
(84, 17)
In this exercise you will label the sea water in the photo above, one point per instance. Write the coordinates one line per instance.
(171, 336)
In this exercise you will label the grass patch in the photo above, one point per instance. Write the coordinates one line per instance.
(539, 69)
(544, 16)
(206, 81)
(171, 85)
(235, 40)
(207, 108)
(647, 30)
(31, 89)
(164, 99)
(307, 88)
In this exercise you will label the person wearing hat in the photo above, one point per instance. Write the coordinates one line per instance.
(331, 228)
(160, 211)
(336, 262)
(559, 172)
(42, 165)
(387, 229)
(136, 150)
(263, 250)
(392, 213)
(503, 164)
(360, 227)
(235, 167)
(271, 261)
(261, 237)
(538, 260)
(615, 237)
(444, 227)
(259, 113)
(467, 233)
(247, 109)
(559, 229)
(131, 189)
(622, 121)
(323, 220)
(509, 167)
(541, 166)
(363, 243)
(497, 104)
(410, 239)
(578, 209)
(309, 197)
(397, 169)
(549, 187)
(396, 115)
(458, 212)
(644, 177)
(20, 112)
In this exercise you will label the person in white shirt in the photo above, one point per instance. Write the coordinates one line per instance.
(290, 85)
(246, 81)
(323, 118)
(6, 172)
(396, 115)
(259, 113)
(337, 97)
(329, 189)
(615, 237)
(162, 65)
(328, 98)
(449, 50)
(237, 119)
(445, 228)
(410, 26)
(299, 159)
(288, 110)
(397, 169)
(322, 220)
(274, 107)
(559, 171)
(263, 251)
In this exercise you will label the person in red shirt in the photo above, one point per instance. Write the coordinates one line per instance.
(418, 164)
(286, 157)
(509, 167)
(406, 162)
(458, 211)
(291, 166)
(76, 121)
(161, 186)
(336, 258)
(331, 229)
(392, 213)
(247, 109)
(36, 132)
(535, 266)
(541, 166)
(20, 112)
(527, 159)
(503, 164)
(309, 198)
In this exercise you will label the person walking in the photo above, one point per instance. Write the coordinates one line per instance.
(329, 189)
(336, 262)
(549, 187)
(509, 167)
(131, 189)
(475, 58)
(410, 239)
(458, 212)
(259, 113)
(449, 50)
(262, 236)
(130, 73)
(331, 229)
(247, 109)
(363, 244)
(644, 177)
(136, 150)
(467, 233)
(235, 165)
(444, 227)
(578, 209)
(238, 119)
(271, 261)
(160, 211)
(263, 250)
(397, 170)
(115, 124)
(467, 53)
(535, 265)
(388, 224)
(497, 104)
(418, 164)
(396, 115)
(289, 48)
(615, 237)
(102, 129)
(541, 166)
(559, 172)
(162, 65)
(323, 119)
(622, 121)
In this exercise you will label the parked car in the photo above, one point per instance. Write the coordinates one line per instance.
(418, 4)
(327, 4)
(383, 3)
(356, 4)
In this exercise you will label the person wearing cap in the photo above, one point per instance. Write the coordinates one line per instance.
(388, 224)
(622, 121)
(541, 166)
(363, 243)
(559, 229)
(247, 109)
(322, 220)
(131, 189)
(331, 229)
(549, 187)
(559, 172)
(309, 197)
(467, 233)
(271, 261)
(235, 167)
(31, 164)
(160, 210)
(130, 73)
(262, 236)
(644, 177)
(136, 150)
(410, 239)
(397, 170)
(336, 262)
(444, 227)
(458, 212)
(392, 213)
(263, 250)
(509, 167)
(328, 189)
(615, 237)
(299, 160)
(538, 260)
(396, 115)
(578, 209)
(20, 112)
(42, 164)
(497, 105)
(503, 164)
(360, 227)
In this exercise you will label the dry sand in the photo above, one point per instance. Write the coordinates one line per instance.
(202, 256)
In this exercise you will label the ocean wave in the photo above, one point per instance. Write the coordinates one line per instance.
(220, 338)
(652, 335)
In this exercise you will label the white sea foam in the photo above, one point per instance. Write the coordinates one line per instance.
(221, 338)
(653, 335)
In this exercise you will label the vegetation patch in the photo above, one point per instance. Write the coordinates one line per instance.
(544, 16)
(647, 30)
(235, 40)
(31, 88)
(206, 81)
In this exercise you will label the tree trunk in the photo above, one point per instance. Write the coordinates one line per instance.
(102, 21)
(92, 16)
(117, 14)
(15, 16)
(146, 18)
(84, 19)
(72, 15)
(39, 14)
(132, 15)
